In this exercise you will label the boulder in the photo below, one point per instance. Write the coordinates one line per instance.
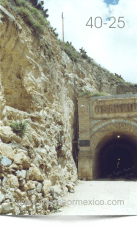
(20, 193)
(22, 159)
(55, 191)
(30, 185)
(5, 161)
(12, 181)
(34, 174)
(46, 187)
(21, 174)
(6, 207)
(70, 187)
(7, 134)
(7, 151)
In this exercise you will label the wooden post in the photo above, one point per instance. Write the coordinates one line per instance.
(62, 28)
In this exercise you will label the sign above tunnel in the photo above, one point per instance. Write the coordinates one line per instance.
(113, 107)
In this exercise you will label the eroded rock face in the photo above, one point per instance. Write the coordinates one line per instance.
(40, 90)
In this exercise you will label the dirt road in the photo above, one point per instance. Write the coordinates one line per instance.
(101, 198)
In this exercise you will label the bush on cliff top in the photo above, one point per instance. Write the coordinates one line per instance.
(32, 16)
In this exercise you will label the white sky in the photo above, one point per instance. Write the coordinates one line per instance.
(112, 48)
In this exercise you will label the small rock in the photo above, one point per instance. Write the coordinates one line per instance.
(31, 192)
(21, 174)
(12, 181)
(1, 175)
(70, 187)
(22, 182)
(71, 191)
(5, 161)
(46, 186)
(39, 187)
(23, 208)
(4, 181)
(39, 196)
(6, 207)
(1, 197)
(0, 208)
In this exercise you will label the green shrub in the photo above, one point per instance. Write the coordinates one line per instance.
(99, 94)
(85, 93)
(22, 3)
(19, 128)
(89, 60)
(70, 51)
(84, 55)
(37, 14)
(26, 15)
(3, 3)
(94, 93)
(94, 63)
(116, 78)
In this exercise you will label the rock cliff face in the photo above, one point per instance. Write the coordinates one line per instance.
(37, 86)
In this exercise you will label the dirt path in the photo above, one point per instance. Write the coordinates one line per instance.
(91, 198)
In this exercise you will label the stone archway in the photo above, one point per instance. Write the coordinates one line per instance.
(101, 121)
(111, 141)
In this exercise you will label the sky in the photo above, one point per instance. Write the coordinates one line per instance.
(112, 47)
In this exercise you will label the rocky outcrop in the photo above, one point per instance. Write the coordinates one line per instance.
(37, 86)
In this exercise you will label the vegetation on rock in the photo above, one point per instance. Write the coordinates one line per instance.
(19, 128)
(94, 94)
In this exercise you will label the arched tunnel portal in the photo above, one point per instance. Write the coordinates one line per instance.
(107, 137)
(116, 157)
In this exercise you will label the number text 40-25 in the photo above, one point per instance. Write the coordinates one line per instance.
(121, 23)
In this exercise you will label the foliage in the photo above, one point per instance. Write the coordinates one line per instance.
(84, 55)
(69, 50)
(53, 31)
(93, 94)
(26, 15)
(22, 3)
(19, 128)
(116, 78)
(89, 60)
(37, 14)
(55, 207)
(32, 16)
(135, 85)
(3, 3)
(94, 63)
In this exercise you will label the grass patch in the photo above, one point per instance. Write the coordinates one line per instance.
(116, 78)
(3, 3)
(128, 93)
(32, 16)
(22, 3)
(93, 94)
(27, 17)
(19, 128)
(69, 50)
(37, 14)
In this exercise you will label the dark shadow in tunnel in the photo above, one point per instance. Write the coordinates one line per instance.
(117, 159)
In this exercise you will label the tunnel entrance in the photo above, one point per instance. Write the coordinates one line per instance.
(117, 158)
(107, 137)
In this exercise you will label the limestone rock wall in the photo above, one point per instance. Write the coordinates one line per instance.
(37, 86)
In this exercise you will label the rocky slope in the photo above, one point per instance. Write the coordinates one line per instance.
(37, 86)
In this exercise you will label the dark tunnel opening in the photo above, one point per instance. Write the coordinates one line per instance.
(117, 159)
